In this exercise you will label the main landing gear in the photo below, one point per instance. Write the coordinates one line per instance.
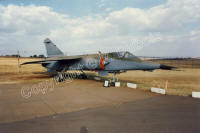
(61, 76)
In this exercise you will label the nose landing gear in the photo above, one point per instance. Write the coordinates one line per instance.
(114, 79)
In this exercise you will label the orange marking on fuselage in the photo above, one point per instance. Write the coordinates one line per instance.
(101, 63)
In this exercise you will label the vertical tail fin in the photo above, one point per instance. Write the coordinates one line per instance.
(51, 49)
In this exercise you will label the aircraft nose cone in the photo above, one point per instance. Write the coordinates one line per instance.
(165, 67)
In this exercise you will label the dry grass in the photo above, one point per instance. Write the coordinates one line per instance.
(181, 82)
(29, 73)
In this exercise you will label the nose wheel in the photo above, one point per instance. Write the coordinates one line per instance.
(114, 79)
(111, 82)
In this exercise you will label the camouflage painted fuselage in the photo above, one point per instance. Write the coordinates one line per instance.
(113, 62)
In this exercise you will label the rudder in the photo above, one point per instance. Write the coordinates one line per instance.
(51, 49)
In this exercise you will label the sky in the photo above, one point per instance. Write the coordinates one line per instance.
(146, 28)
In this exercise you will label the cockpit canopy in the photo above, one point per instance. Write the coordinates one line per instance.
(124, 55)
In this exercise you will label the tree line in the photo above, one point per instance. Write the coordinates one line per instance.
(32, 56)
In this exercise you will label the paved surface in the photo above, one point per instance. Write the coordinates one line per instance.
(161, 114)
(65, 97)
(71, 106)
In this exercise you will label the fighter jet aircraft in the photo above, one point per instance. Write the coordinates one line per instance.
(103, 63)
